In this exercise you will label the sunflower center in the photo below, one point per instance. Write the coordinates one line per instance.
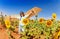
(25, 21)
(41, 20)
(54, 16)
(49, 23)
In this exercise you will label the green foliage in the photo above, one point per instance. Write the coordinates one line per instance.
(36, 30)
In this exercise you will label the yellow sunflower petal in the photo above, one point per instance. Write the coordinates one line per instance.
(54, 16)
(7, 23)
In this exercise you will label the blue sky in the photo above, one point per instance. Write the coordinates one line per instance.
(15, 6)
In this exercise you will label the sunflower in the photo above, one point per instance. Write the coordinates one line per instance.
(49, 23)
(25, 21)
(54, 15)
(7, 23)
(57, 35)
(41, 20)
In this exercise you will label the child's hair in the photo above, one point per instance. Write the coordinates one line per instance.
(22, 14)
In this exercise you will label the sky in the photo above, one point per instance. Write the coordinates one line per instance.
(15, 6)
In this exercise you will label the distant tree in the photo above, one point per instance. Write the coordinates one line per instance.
(2, 19)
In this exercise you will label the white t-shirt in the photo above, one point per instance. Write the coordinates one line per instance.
(21, 19)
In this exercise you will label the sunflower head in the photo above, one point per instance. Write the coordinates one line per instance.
(54, 16)
(57, 34)
(41, 20)
(7, 23)
(49, 23)
(25, 21)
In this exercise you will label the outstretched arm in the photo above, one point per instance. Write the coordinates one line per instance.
(33, 12)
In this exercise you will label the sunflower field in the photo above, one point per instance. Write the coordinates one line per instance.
(41, 28)
(35, 29)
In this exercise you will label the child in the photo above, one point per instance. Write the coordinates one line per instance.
(29, 14)
(22, 16)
